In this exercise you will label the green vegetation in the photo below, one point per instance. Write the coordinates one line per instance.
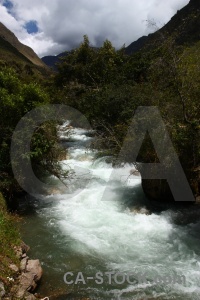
(107, 86)
(18, 97)
(9, 238)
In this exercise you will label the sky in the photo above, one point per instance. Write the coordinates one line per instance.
(53, 26)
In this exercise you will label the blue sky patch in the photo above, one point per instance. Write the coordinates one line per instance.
(8, 4)
(31, 27)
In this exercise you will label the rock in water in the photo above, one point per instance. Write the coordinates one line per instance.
(34, 267)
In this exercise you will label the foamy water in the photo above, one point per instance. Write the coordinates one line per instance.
(100, 224)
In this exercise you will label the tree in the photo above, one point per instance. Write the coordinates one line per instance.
(17, 98)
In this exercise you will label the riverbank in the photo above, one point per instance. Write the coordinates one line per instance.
(9, 238)
(18, 274)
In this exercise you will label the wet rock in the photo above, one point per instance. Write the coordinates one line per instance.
(54, 191)
(134, 172)
(142, 210)
(31, 273)
(23, 264)
(26, 283)
(34, 267)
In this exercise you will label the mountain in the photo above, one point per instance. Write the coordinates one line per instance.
(12, 49)
(184, 26)
(51, 60)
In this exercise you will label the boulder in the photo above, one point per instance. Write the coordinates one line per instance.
(26, 283)
(34, 267)
(134, 172)
(27, 280)
(140, 210)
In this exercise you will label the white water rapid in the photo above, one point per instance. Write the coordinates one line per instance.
(83, 229)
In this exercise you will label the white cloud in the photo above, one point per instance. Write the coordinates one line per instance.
(62, 23)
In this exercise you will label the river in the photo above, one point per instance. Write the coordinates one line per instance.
(98, 224)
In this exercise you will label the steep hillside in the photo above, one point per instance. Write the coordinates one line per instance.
(184, 26)
(10, 53)
(10, 45)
